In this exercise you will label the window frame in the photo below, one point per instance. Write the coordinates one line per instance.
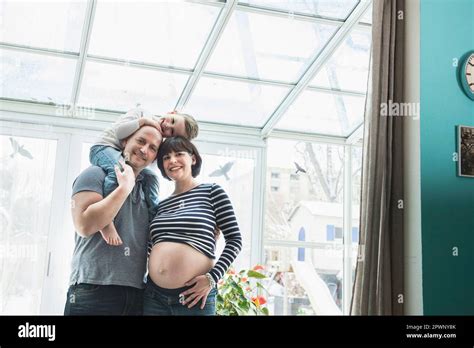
(347, 221)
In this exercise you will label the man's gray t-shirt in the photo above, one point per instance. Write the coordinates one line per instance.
(96, 262)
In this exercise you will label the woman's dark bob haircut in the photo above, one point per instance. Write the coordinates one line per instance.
(178, 144)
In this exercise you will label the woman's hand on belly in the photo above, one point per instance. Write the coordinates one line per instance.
(198, 292)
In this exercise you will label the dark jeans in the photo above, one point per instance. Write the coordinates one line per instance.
(92, 299)
(160, 301)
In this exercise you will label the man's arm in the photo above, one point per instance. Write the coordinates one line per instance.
(91, 212)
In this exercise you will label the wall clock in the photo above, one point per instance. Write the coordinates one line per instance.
(467, 74)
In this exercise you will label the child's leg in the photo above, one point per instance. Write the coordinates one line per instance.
(106, 157)
(151, 188)
(110, 235)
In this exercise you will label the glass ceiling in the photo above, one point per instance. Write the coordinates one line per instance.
(290, 65)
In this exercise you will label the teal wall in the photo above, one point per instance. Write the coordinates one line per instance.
(447, 201)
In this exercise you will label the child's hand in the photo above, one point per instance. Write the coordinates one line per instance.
(148, 122)
(125, 178)
(156, 124)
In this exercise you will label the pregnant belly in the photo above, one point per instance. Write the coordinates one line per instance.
(173, 264)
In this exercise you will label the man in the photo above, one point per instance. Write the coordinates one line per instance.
(108, 280)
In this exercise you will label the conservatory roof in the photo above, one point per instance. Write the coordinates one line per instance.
(297, 66)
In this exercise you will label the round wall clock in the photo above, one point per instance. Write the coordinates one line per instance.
(467, 74)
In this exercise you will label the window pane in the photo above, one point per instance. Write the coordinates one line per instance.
(265, 47)
(36, 77)
(339, 9)
(348, 68)
(238, 184)
(55, 25)
(234, 102)
(163, 32)
(26, 186)
(314, 201)
(324, 113)
(120, 88)
(367, 17)
(304, 281)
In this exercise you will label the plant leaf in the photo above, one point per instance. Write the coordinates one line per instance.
(255, 274)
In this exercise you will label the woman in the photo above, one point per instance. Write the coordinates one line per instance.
(182, 277)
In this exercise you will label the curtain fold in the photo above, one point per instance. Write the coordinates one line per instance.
(378, 286)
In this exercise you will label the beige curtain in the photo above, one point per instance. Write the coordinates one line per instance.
(378, 286)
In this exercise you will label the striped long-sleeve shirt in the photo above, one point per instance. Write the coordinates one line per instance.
(191, 218)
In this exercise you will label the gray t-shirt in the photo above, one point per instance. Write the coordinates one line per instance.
(96, 262)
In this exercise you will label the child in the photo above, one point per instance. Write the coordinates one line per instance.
(108, 151)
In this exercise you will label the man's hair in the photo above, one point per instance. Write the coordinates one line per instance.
(178, 144)
(190, 125)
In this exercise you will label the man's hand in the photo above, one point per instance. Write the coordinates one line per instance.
(125, 179)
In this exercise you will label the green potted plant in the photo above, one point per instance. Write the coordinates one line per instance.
(240, 293)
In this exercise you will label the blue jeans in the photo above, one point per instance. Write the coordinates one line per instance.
(107, 157)
(160, 301)
(92, 299)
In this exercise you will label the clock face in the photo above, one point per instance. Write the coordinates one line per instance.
(467, 75)
(470, 72)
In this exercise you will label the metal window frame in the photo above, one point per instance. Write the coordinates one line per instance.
(41, 51)
(318, 62)
(282, 13)
(57, 209)
(209, 47)
(198, 71)
(347, 233)
(84, 46)
(40, 115)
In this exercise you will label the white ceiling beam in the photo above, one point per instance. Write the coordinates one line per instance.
(316, 65)
(158, 67)
(311, 137)
(42, 51)
(141, 65)
(356, 135)
(336, 91)
(282, 84)
(283, 14)
(98, 120)
(84, 46)
(211, 43)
